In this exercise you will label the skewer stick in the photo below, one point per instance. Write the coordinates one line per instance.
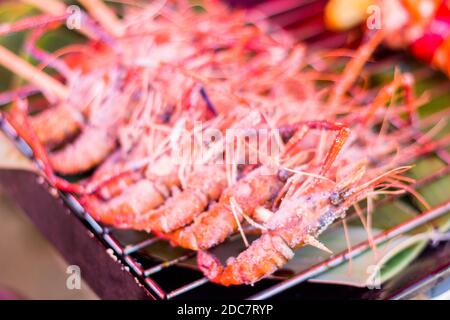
(52, 7)
(57, 8)
(104, 15)
(25, 70)
(30, 22)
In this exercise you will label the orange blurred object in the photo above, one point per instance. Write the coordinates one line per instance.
(423, 26)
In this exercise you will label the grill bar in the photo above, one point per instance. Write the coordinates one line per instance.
(422, 182)
(167, 264)
(428, 283)
(129, 249)
(156, 288)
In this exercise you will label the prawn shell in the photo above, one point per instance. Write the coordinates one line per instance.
(55, 125)
(123, 210)
(90, 149)
(204, 186)
(215, 225)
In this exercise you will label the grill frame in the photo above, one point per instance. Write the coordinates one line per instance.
(121, 269)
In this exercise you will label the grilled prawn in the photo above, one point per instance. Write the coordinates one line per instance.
(204, 185)
(299, 220)
(256, 190)
(213, 226)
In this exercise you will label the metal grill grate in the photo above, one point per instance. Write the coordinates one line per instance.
(165, 279)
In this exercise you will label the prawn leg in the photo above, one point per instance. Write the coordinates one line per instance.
(405, 82)
(353, 69)
(342, 135)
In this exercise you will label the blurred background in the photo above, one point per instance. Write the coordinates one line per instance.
(30, 267)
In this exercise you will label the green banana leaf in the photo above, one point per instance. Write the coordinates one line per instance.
(435, 193)
(371, 269)
(387, 259)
